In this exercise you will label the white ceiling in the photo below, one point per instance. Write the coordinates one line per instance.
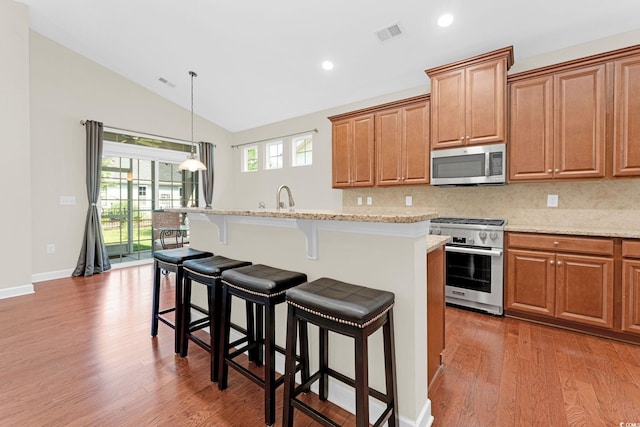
(258, 61)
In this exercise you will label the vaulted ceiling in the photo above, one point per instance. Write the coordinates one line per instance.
(259, 62)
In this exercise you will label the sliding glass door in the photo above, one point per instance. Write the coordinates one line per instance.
(135, 181)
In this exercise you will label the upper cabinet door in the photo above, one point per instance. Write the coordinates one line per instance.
(468, 100)
(448, 111)
(485, 102)
(342, 141)
(531, 129)
(626, 142)
(388, 126)
(415, 130)
(580, 123)
(362, 154)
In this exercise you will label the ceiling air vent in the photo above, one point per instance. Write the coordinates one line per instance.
(167, 82)
(389, 32)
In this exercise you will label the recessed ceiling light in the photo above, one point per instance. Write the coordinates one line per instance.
(445, 20)
(327, 65)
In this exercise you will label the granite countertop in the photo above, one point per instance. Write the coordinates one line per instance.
(630, 233)
(434, 242)
(359, 215)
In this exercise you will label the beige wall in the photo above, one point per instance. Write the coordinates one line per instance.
(61, 88)
(15, 216)
(67, 88)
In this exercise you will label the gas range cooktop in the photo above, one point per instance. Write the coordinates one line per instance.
(493, 222)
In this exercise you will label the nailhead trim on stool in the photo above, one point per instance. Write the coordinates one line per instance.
(350, 310)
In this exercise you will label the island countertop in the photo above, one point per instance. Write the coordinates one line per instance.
(398, 216)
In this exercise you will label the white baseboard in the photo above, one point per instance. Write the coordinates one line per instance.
(16, 291)
(343, 396)
(51, 275)
(60, 274)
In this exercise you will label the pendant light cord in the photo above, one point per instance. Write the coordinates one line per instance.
(192, 74)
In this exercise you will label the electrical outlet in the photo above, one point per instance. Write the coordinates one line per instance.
(51, 248)
(552, 200)
(369, 200)
(359, 201)
(408, 201)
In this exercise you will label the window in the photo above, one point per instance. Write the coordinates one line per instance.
(142, 191)
(274, 155)
(302, 150)
(250, 159)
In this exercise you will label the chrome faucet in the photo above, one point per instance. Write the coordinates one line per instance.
(280, 204)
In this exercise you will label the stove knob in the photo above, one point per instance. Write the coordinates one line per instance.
(434, 231)
(483, 235)
(493, 235)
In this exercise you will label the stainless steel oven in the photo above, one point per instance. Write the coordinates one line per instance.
(474, 262)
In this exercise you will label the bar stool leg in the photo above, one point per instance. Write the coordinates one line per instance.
(186, 317)
(259, 334)
(270, 365)
(289, 368)
(225, 308)
(155, 306)
(179, 310)
(390, 368)
(362, 380)
(214, 329)
(304, 352)
(324, 364)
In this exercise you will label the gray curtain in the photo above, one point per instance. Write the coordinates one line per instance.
(93, 257)
(206, 156)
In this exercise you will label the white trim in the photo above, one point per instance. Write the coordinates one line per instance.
(119, 265)
(51, 275)
(16, 291)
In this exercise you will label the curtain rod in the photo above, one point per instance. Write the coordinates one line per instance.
(143, 134)
(275, 137)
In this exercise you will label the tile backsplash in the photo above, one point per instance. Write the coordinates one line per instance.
(606, 203)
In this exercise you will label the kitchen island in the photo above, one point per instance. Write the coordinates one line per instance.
(382, 249)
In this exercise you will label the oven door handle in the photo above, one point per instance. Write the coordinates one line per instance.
(473, 251)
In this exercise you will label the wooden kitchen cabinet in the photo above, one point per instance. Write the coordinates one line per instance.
(562, 277)
(626, 137)
(631, 286)
(353, 151)
(435, 311)
(557, 124)
(402, 145)
(468, 100)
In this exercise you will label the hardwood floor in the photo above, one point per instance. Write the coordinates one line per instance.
(78, 352)
(506, 372)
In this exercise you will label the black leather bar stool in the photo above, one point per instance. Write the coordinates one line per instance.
(350, 310)
(264, 286)
(207, 271)
(171, 260)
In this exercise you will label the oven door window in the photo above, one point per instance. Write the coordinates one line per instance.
(469, 271)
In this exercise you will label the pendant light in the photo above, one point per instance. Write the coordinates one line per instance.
(192, 164)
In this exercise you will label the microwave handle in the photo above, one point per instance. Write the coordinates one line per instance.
(487, 164)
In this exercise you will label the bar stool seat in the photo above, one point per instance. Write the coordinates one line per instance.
(171, 260)
(350, 310)
(207, 271)
(264, 286)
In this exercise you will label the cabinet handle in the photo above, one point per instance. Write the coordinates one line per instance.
(550, 170)
(559, 262)
(552, 262)
(557, 170)
(556, 243)
(462, 138)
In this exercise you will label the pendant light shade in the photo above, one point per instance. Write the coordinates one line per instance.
(192, 164)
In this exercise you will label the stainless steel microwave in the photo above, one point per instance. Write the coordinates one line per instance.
(473, 165)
